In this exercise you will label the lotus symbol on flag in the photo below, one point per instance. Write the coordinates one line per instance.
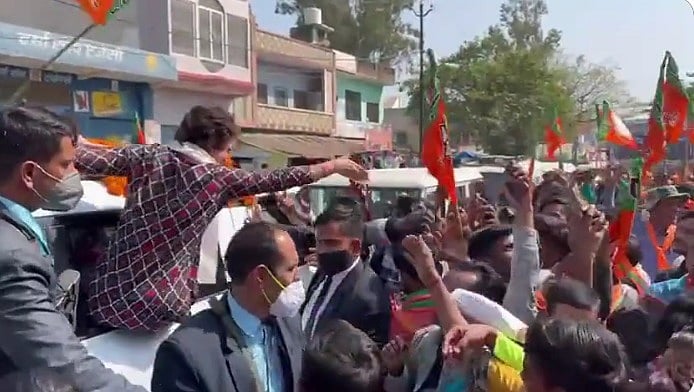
(691, 4)
(671, 118)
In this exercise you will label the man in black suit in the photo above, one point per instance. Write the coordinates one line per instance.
(250, 339)
(37, 170)
(344, 286)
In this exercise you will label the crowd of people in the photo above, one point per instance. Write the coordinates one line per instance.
(474, 297)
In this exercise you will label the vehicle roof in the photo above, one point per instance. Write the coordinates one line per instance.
(95, 198)
(403, 178)
(540, 167)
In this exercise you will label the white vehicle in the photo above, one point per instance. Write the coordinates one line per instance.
(387, 184)
(495, 177)
(79, 236)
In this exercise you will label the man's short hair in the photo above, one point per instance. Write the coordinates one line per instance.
(571, 292)
(482, 241)
(347, 213)
(489, 282)
(253, 245)
(341, 358)
(31, 134)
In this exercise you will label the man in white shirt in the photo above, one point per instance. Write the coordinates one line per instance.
(344, 287)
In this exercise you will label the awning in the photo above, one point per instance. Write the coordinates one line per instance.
(311, 147)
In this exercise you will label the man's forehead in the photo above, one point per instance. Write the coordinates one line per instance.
(329, 230)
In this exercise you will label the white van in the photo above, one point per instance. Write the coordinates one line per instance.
(387, 184)
(77, 237)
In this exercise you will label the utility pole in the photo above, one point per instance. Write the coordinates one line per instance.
(421, 14)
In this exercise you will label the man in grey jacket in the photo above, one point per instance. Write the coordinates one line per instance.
(37, 153)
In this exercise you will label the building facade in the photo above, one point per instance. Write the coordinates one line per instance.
(210, 41)
(359, 101)
(293, 105)
(102, 82)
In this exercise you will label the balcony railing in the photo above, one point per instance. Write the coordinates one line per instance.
(291, 51)
(381, 73)
(295, 120)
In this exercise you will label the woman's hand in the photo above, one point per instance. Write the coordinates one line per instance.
(350, 169)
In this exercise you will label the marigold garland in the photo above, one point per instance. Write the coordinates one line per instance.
(115, 185)
(244, 201)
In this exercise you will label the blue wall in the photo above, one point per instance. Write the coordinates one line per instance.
(135, 98)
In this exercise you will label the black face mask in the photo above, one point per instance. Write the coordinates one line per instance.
(334, 262)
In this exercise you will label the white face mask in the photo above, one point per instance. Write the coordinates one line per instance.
(289, 301)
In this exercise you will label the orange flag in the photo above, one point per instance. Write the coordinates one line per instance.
(98, 10)
(435, 154)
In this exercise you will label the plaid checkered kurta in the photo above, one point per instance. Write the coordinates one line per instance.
(149, 275)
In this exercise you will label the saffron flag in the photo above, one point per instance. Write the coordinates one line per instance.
(620, 229)
(98, 10)
(675, 102)
(554, 136)
(139, 136)
(611, 128)
(435, 151)
(655, 138)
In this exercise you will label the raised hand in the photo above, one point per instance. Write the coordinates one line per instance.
(421, 258)
(465, 338)
(350, 169)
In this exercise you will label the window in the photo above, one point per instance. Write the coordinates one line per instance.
(281, 98)
(301, 99)
(262, 93)
(237, 37)
(200, 28)
(352, 105)
(183, 27)
(210, 31)
(401, 138)
(373, 112)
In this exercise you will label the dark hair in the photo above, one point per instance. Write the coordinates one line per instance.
(209, 128)
(341, 358)
(577, 356)
(403, 264)
(36, 380)
(678, 315)
(489, 282)
(482, 241)
(630, 325)
(347, 213)
(571, 292)
(253, 245)
(31, 134)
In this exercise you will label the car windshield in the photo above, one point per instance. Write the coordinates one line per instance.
(382, 198)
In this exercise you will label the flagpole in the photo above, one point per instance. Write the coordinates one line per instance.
(25, 85)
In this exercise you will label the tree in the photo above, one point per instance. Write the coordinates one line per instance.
(590, 83)
(363, 27)
(503, 85)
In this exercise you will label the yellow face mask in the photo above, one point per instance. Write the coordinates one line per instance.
(289, 300)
